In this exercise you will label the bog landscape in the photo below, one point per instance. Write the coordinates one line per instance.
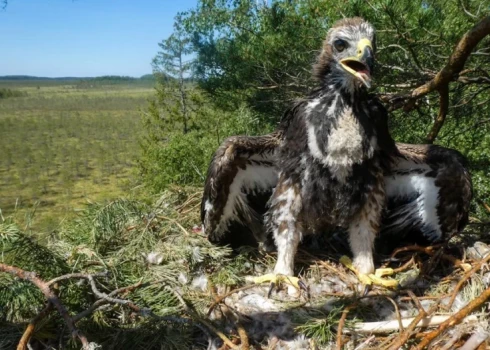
(66, 143)
(101, 182)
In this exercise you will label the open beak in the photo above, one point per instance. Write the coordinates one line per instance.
(361, 65)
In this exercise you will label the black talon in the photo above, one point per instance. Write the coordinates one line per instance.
(302, 285)
(270, 290)
(366, 290)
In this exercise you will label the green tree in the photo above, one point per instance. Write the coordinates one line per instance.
(182, 126)
(172, 65)
(260, 54)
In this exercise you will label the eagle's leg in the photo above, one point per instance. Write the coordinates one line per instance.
(285, 222)
(362, 233)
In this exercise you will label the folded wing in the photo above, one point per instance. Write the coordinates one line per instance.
(239, 183)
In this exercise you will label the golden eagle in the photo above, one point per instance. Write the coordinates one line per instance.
(332, 163)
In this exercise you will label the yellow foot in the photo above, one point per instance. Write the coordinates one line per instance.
(279, 279)
(370, 279)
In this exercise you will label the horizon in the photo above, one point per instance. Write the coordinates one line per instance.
(71, 76)
(84, 38)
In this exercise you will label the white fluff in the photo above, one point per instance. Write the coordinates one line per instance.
(298, 343)
(200, 283)
(313, 144)
(312, 104)
(183, 279)
(208, 206)
(255, 303)
(154, 258)
(344, 147)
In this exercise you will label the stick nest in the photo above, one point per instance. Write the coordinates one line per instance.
(126, 274)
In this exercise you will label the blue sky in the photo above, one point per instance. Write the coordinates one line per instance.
(56, 38)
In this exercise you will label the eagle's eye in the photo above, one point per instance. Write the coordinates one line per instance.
(340, 45)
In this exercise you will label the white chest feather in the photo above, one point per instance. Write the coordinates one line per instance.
(344, 146)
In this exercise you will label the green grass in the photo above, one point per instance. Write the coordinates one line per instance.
(63, 146)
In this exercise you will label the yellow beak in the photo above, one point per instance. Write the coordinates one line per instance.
(361, 65)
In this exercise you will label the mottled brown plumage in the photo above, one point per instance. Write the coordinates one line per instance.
(332, 163)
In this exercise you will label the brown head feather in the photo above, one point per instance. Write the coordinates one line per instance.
(322, 65)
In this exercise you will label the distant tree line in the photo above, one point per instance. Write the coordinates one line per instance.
(111, 78)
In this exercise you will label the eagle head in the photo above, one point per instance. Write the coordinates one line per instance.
(347, 56)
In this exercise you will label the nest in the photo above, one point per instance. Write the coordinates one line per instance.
(146, 276)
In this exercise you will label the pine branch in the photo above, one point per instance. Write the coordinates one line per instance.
(50, 296)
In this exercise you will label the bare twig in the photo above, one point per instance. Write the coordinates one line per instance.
(340, 341)
(397, 312)
(465, 277)
(466, 11)
(455, 319)
(430, 250)
(448, 73)
(472, 127)
(405, 266)
(220, 299)
(194, 315)
(244, 342)
(384, 327)
(405, 335)
(110, 299)
(174, 222)
(26, 337)
(458, 58)
(77, 275)
(191, 198)
(365, 343)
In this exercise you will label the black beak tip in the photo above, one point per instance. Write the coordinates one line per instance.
(368, 58)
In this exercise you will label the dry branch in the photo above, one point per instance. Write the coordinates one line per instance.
(452, 71)
(340, 341)
(384, 327)
(441, 117)
(76, 275)
(466, 276)
(405, 334)
(455, 319)
(222, 298)
(191, 312)
(431, 251)
(457, 59)
(26, 337)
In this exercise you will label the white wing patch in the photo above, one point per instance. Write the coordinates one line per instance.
(424, 207)
(255, 178)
